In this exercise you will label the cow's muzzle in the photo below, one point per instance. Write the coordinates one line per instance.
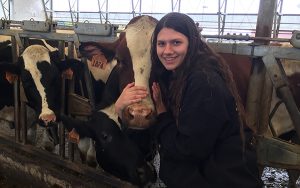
(138, 116)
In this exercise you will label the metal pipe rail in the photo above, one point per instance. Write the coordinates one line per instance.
(68, 37)
(245, 38)
(256, 51)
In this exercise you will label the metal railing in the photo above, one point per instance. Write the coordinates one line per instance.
(235, 22)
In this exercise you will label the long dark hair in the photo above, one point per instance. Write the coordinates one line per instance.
(199, 56)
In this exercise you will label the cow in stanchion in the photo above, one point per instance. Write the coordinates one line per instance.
(8, 74)
(123, 149)
(6, 94)
(280, 123)
(41, 72)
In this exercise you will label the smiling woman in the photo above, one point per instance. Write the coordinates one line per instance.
(171, 48)
(201, 129)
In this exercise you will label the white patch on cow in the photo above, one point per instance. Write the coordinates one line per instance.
(101, 74)
(87, 148)
(33, 55)
(138, 37)
(84, 144)
(111, 113)
(50, 48)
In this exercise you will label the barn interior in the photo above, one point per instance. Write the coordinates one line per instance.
(25, 165)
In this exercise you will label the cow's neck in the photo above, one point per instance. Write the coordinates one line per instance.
(101, 74)
(33, 55)
(138, 38)
(111, 113)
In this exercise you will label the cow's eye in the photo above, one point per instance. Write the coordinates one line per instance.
(106, 137)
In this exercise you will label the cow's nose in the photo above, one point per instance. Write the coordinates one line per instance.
(138, 116)
(138, 110)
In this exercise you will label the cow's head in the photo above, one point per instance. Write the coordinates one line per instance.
(115, 152)
(40, 71)
(132, 52)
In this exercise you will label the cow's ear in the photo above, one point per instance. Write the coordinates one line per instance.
(75, 65)
(13, 68)
(80, 126)
(4, 44)
(89, 49)
(55, 56)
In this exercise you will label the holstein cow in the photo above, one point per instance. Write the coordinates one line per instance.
(41, 71)
(280, 121)
(7, 90)
(122, 149)
(85, 145)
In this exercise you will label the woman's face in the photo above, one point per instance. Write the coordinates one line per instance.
(171, 48)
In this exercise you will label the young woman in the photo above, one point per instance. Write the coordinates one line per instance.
(203, 142)
(200, 133)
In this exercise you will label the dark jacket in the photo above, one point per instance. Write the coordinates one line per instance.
(205, 149)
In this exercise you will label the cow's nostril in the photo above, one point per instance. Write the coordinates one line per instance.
(130, 113)
(148, 114)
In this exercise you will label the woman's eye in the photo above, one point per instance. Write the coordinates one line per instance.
(176, 42)
(160, 44)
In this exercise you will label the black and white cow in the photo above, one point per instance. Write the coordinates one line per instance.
(124, 152)
(40, 71)
(7, 75)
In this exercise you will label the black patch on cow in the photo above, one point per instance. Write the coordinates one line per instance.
(111, 93)
(7, 92)
(9, 67)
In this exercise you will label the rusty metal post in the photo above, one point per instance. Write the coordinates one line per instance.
(89, 85)
(71, 84)
(260, 90)
(16, 92)
(23, 121)
(61, 129)
(22, 102)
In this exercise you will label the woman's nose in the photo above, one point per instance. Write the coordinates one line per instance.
(168, 49)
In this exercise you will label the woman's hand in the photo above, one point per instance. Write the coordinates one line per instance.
(159, 105)
(130, 94)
